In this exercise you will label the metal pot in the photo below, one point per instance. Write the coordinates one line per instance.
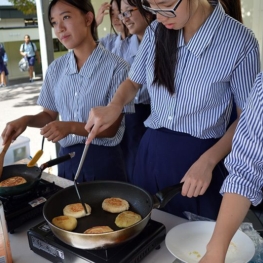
(93, 193)
(31, 174)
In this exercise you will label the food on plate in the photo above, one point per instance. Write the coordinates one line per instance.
(127, 218)
(195, 254)
(65, 222)
(13, 181)
(98, 230)
(115, 205)
(76, 210)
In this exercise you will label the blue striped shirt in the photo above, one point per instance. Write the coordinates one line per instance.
(73, 93)
(245, 161)
(126, 49)
(219, 63)
(28, 49)
(111, 42)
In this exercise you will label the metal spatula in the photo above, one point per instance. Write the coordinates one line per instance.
(77, 175)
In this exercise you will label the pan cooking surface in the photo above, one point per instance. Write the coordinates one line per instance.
(94, 194)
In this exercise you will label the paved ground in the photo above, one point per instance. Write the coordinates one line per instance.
(18, 99)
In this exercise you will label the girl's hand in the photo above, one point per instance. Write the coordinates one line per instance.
(103, 10)
(14, 129)
(100, 119)
(197, 178)
(56, 130)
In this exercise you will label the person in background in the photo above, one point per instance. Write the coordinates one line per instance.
(85, 77)
(243, 186)
(112, 41)
(29, 50)
(3, 68)
(194, 60)
(136, 22)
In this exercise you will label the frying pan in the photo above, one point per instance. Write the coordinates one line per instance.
(93, 193)
(31, 174)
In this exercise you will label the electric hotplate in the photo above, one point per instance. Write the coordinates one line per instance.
(43, 242)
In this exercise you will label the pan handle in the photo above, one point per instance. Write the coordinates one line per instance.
(165, 195)
(57, 160)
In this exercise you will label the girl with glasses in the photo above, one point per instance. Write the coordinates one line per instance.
(112, 41)
(194, 63)
(85, 77)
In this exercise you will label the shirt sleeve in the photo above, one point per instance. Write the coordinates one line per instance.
(119, 76)
(244, 75)
(46, 97)
(138, 69)
(245, 161)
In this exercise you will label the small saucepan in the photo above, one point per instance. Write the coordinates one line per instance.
(30, 174)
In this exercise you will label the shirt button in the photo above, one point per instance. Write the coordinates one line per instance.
(73, 135)
(170, 118)
(76, 94)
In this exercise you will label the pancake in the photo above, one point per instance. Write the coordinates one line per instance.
(98, 230)
(76, 210)
(115, 205)
(13, 181)
(65, 222)
(127, 218)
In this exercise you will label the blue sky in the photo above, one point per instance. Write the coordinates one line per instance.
(4, 2)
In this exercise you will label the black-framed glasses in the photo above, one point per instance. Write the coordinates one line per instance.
(163, 12)
(127, 13)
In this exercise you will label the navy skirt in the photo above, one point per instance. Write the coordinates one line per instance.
(163, 158)
(134, 130)
(101, 163)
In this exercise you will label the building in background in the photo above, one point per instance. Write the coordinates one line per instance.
(14, 25)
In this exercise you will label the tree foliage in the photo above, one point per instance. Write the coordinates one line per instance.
(26, 6)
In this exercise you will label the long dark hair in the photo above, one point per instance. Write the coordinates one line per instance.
(126, 31)
(84, 6)
(147, 15)
(166, 41)
(233, 9)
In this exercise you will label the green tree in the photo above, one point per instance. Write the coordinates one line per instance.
(25, 6)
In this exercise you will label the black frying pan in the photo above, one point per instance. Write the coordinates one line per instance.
(31, 174)
(94, 193)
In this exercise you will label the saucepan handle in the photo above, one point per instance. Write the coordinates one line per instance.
(57, 160)
(165, 195)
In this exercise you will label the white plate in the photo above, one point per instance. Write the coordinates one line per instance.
(188, 241)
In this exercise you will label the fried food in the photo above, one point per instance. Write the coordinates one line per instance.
(76, 210)
(13, 181)
(98, 230)
(65, 222)
(127, 218)
(115, 205)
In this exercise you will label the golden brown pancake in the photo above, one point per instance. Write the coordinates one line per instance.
(65, 222)
(127, 218)
(98, 230)
(115, 205)
(76, 210)
(13, 181)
